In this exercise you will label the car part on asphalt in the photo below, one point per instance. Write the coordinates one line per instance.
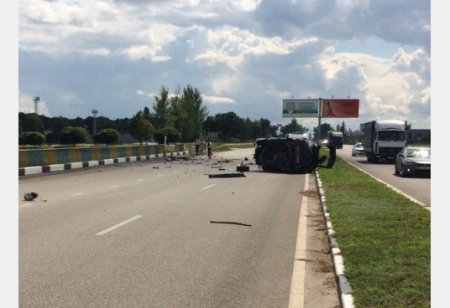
(230, 223)
(30, 196)
(242, 168)
(226, 175)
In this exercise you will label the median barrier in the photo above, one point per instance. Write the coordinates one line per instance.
(45, 160)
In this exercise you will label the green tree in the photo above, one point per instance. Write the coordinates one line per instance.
(74, 135)
(324, 129)
(140, 127)
(107, 136)
(293, 127)
(162, 117)
(32, 138)
(33, 123)
(172, 134)
(229, 125)
(57, 124)
(189, 113)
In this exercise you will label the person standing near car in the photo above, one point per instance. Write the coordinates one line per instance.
(209, 145)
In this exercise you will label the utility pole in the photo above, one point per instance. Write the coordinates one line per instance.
(36, 101)
(94, 121)
(319, 135)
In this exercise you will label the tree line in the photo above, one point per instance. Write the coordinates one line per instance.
(182, 117)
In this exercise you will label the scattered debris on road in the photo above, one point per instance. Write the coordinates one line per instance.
(230, 223)
(30, 196)
(226, 175)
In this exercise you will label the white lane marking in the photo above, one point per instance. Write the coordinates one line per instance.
(297, 296)
(160, 175)
(209, 186)
(77, 194)
(24, 205)
(140, 180)
(118, 225)
(114, 186)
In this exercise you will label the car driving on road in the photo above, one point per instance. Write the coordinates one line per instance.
(358, 149)
(413, 160)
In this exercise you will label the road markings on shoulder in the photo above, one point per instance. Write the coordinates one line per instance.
(208, 187)
(118, 225)
(77, 194)
(297, 296)
(24, 205)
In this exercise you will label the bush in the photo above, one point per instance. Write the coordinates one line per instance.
(173, 135)
(32, 138)
(73, 135)
(107, 136)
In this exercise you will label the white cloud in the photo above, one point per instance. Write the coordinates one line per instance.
(381, 84)
(218, 100)
(251, 52)
(231, 45)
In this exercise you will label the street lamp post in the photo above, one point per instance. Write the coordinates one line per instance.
(36, 101)
(94, 121)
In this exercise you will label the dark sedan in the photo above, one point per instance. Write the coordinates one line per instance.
(413, 160)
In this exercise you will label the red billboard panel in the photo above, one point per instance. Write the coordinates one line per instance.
(340, 108)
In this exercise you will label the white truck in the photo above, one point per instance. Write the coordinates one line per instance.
(383, 139)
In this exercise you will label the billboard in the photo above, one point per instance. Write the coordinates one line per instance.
(340, 108)
(300, 108)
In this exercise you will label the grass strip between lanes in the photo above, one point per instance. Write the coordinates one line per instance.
(384, 239)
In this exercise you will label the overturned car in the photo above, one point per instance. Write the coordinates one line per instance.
(289, 155)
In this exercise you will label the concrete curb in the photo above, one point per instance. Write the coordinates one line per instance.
(344, 289)
(92, 163)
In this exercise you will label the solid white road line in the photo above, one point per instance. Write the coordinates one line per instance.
(118, 225)
(297, 296)
(209, 186)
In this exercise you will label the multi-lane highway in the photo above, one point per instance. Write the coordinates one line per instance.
(165, 234)
(417, 187)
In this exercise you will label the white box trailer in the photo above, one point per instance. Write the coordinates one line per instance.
(383, 139)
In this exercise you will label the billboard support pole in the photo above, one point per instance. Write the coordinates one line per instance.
(319, 135)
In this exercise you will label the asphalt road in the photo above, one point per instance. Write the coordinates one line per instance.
(417, 187)
(164, 234)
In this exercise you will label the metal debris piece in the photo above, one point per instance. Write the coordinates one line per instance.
(227, 175)
(242, 168)
(30, 196)
(230, 223)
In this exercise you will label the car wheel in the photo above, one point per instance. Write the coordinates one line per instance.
(396, 170)
(402, 170)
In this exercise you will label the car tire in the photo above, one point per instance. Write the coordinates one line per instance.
(402, 170)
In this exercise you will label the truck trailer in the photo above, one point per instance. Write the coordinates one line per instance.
(335, 139)
(383, 139)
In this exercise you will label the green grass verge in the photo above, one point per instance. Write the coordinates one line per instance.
(384, 239)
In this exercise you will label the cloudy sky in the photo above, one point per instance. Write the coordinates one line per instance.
(244, 56)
